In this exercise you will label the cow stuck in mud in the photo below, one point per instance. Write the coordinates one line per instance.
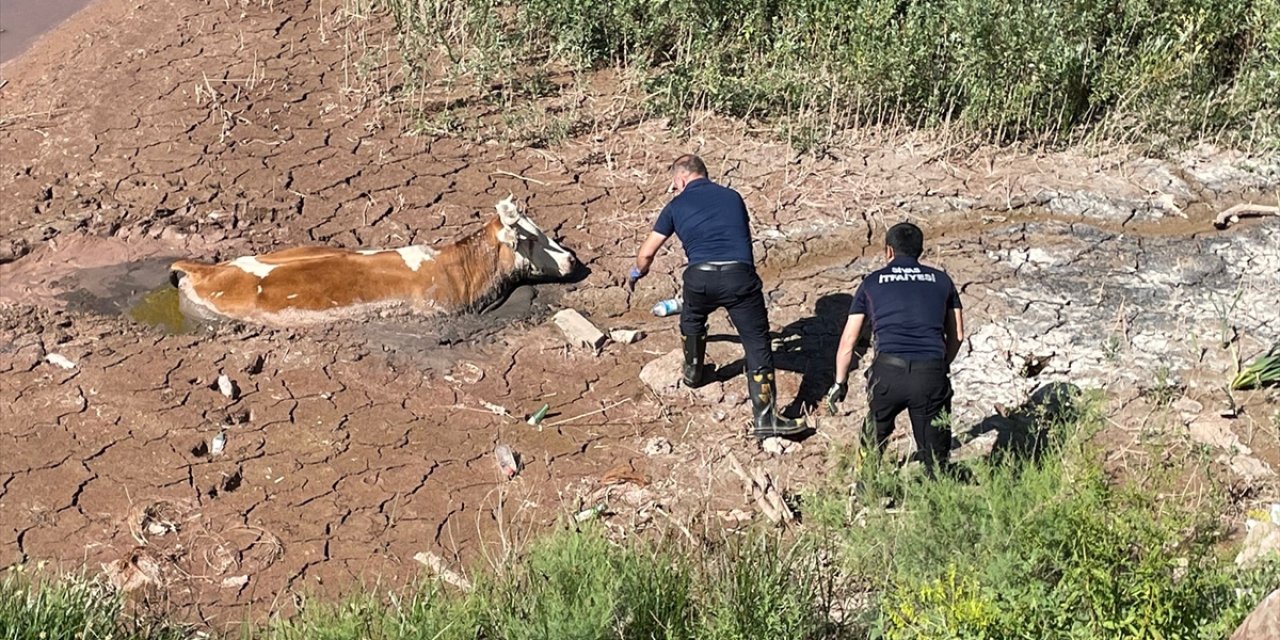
(310, 285)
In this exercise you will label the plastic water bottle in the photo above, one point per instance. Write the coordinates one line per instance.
(667, 307)
(507, 461)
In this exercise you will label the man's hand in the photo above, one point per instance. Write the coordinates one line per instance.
(633, 277)
(835, 395)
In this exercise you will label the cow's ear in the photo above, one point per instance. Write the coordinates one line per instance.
(508, 212)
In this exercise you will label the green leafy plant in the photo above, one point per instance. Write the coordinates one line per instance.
(1263, 371)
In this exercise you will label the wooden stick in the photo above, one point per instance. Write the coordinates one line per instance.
(518, 177)
(763, 492)
(1245, 210)
(590, 413)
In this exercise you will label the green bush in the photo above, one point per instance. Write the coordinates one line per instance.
(1045, 548)
(1012, 69)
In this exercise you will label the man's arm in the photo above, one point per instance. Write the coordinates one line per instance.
(648, 250)
(955, 333)
(848, 342)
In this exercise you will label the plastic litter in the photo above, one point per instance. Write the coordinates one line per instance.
(507, 461)
(536, 418)
(668, 307)
(589, 513)
(218, 443)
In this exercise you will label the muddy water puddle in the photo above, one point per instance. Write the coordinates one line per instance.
(23, 21)
(160, 309)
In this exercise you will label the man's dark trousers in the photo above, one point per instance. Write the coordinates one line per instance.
(736, 288)
(923, 388)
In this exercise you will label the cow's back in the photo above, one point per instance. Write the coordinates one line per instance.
(309, 284)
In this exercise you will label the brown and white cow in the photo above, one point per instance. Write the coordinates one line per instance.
(309, 285)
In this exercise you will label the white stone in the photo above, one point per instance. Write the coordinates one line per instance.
(626, 336)
(59, 360)
(779, 446)
(227, 387)
(1262, 540)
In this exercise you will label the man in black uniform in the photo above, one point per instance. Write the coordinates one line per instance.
(918, 325)
(711, 222)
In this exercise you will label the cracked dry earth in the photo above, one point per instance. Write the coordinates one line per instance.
(135, 134)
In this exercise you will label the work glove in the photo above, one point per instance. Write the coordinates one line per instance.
(835, 395)
(633, 277)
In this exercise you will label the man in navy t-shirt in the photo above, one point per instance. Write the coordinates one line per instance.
(918, 324)
(711, 222)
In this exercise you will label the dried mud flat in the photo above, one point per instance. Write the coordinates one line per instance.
(133, 135)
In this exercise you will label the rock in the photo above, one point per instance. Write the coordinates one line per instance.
(466, 373)
(1188, 408)
(234, 582)
(979, 447)
(228, 388)
(658, 446)
(579, 330)
(1248, 467)
(664, 374)
(440, 567)
(779, 446)
(24, 358)
(626, 336)
(1263, 623)
(59, 360)
(1216, 432)
(1262, 540)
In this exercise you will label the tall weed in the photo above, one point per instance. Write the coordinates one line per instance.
(1053, 70)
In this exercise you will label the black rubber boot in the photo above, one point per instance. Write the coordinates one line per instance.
(695, 353)
(768, 423)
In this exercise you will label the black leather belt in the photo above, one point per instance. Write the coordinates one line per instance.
(910, 365)
(722, 266)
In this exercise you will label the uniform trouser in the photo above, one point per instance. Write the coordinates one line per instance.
(738, 291)
(923, 388)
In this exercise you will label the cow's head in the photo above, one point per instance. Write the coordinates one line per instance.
(534, 252)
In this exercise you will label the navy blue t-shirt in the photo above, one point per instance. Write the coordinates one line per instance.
(711, 222)
(908, 303)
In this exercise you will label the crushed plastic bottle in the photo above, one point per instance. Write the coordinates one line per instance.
(507, 461)
(668, 307)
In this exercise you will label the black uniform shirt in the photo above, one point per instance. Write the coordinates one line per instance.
(907, 304)
(711, 222)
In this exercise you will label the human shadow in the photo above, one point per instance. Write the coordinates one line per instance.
(808, 347)
(1026, 432)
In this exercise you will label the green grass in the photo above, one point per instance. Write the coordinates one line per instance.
(1047, 70)
(70, 609)
(1047, 548)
